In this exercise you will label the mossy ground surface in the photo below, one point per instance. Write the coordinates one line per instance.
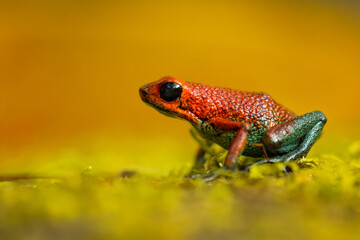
(320, 199)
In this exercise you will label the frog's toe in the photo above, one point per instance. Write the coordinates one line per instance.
(220, 173)
(264, 161)
(198, 175)
(208, 177)
(194, 175)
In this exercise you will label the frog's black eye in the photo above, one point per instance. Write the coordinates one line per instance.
(170, 91)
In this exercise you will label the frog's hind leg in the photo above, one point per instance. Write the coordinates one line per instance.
(292, 140)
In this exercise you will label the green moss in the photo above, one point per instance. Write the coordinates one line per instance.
(320, 199)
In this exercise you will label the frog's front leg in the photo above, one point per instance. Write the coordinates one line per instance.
(200, 160)
(236, 148)
(292, 140)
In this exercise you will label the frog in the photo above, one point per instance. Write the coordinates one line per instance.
(250, 124)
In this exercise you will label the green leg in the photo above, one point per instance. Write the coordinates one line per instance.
(199, 165)
(200, 160)
(294, 139)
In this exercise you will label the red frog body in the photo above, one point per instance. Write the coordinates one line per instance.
(245, 123)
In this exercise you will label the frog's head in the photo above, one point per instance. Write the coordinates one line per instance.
(166, 96)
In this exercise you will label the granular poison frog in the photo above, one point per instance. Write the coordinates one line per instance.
(245, 123)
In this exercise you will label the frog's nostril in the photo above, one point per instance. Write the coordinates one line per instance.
(143, 91)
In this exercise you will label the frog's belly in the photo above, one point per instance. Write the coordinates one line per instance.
(224, 139)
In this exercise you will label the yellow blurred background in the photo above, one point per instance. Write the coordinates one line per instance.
(70, 71)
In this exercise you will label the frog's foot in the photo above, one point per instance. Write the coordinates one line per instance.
(262, 161)
(219, 173)
(286, 168)
(193, 175)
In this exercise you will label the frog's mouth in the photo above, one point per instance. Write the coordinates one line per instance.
(164, 111)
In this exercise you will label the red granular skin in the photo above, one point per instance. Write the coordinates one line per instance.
(258, 108)
(201, 102)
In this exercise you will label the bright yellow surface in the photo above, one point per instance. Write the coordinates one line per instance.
(314, 203)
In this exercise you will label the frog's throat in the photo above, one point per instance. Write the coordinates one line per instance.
(163, 111)
(178, 114)
(167, 113)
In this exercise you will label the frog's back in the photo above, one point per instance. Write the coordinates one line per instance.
(259, 109)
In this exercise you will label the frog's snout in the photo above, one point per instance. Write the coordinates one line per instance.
(143, 91)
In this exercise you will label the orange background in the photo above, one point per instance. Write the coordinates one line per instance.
(70, 70)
